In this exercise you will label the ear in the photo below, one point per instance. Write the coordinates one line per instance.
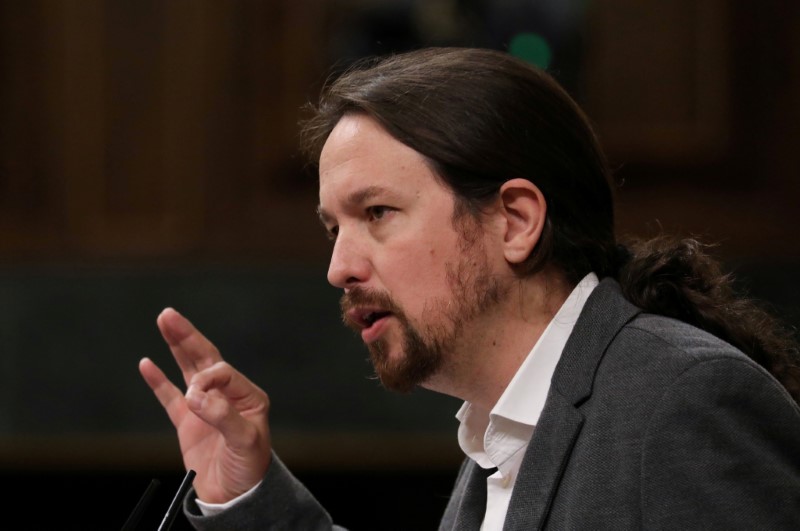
(523, 210)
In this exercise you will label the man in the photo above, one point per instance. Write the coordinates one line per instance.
(473, 238)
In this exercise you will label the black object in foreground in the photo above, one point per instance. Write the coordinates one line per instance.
(141, 506)
(147, 498)
(175, 506)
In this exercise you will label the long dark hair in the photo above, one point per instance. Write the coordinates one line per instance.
(482, 117)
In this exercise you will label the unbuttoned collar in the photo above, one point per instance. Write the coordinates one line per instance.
(492, 439)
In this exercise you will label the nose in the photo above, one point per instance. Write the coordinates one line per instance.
(349, 265)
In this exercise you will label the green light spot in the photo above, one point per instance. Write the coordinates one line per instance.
(532, 48)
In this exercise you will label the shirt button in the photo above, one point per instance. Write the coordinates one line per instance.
(506, 481)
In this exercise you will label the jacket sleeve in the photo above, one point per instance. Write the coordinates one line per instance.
(280, 503)
(722, 451)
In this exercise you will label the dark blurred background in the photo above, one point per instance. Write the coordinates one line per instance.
(148, 158)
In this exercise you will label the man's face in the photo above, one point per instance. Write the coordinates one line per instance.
(412, 278)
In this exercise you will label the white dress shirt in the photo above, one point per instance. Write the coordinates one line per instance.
(499, 438)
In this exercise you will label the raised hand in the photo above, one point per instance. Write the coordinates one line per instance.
(221, 420)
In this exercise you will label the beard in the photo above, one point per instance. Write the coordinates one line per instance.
(429, 346)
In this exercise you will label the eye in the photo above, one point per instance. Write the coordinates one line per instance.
(332, 232)
(377, 212)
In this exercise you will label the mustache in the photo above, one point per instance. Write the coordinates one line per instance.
(358, 297)
(366, 297)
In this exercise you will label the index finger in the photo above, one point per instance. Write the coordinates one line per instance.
(191, 350)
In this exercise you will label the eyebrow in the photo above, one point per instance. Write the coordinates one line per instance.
(356, 197)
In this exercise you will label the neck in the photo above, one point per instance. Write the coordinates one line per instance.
(494, 346)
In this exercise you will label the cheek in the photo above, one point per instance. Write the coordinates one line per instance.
(417, 275)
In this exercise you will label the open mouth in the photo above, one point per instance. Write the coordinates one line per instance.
(371, 317)
(366, 317)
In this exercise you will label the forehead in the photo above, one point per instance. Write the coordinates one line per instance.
(361, 161)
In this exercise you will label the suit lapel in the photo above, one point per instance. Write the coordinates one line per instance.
(604, 315)
(543, 464)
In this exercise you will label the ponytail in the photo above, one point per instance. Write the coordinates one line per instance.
(678, 278)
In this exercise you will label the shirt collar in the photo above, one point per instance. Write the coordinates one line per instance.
(523, 400)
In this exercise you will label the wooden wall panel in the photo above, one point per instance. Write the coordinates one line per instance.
(657, 78)
(697, 105)
(111, 104)
(156, 130)
(150, 130)
(263, 205)
(32, 210)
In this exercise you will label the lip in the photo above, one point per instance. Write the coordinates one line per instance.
(373, 332)
(370, 330)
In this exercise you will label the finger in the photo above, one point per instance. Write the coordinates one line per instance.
(191, 350)
(169, 396)
(224, 398)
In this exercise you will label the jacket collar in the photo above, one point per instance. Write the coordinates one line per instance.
(605, 313)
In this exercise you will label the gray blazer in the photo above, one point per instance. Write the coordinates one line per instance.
(649, 424)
